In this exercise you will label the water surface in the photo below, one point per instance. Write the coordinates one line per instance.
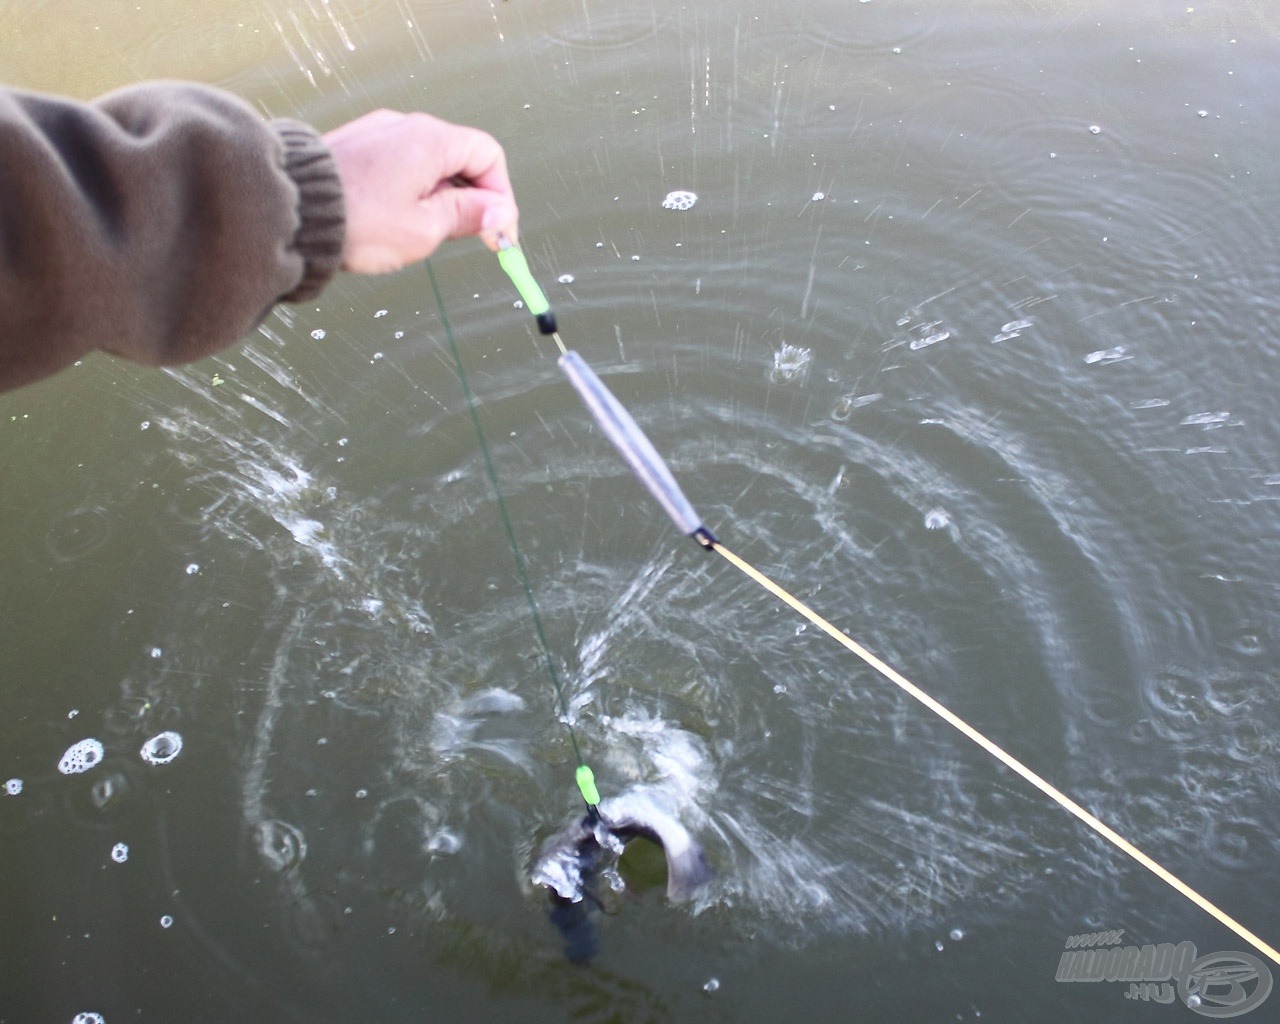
(968, 339)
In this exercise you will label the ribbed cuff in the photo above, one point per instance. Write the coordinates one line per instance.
(321, 214)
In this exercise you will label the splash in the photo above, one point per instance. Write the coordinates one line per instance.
(790, 364)
(1105, 356)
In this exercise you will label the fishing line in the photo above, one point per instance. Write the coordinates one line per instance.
(583, 775)
(626, 435)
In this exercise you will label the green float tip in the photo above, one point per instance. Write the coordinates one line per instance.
(513, 262)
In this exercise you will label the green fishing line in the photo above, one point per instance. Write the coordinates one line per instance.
(584, 776)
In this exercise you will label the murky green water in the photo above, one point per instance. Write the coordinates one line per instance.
(1030, 459)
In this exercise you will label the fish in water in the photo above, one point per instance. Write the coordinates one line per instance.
(572, 858)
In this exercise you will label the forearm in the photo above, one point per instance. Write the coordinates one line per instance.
(160, 222)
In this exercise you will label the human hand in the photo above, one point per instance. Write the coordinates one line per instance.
(412, 181)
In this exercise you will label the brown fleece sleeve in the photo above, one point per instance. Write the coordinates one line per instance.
(160, 222)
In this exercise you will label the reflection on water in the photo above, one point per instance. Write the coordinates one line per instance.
(985, 387)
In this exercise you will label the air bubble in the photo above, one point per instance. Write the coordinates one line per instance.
(956, 935)
(13, 787)
(1249, 643)
(156, 652)
(108, 791)
(565, 279)
(939, 946)
(193, 568)
(1094, 130)
(380, 314)
(282, 845)
(80, 757)
(711, 986)
(318, 334)
(818, 197)
(937, 519)
(88, 1018)
(120, 852)
(444, 844)
(679, 200)
(161, 749)
(166, 921)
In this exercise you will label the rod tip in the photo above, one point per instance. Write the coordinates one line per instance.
(704, 537)
(546, 322)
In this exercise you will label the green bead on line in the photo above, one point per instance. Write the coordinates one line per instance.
(587, 785)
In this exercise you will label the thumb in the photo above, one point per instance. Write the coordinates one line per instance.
(462, 212)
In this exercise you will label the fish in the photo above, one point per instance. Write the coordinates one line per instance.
(570, 860)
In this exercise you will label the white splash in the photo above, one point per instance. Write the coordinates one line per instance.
(1107, 355)
(790, 363)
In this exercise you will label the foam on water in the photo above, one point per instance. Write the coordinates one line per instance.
(13, 787)
(679, 200)
(81, 756)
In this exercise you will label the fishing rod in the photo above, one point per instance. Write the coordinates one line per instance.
(648, 466)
